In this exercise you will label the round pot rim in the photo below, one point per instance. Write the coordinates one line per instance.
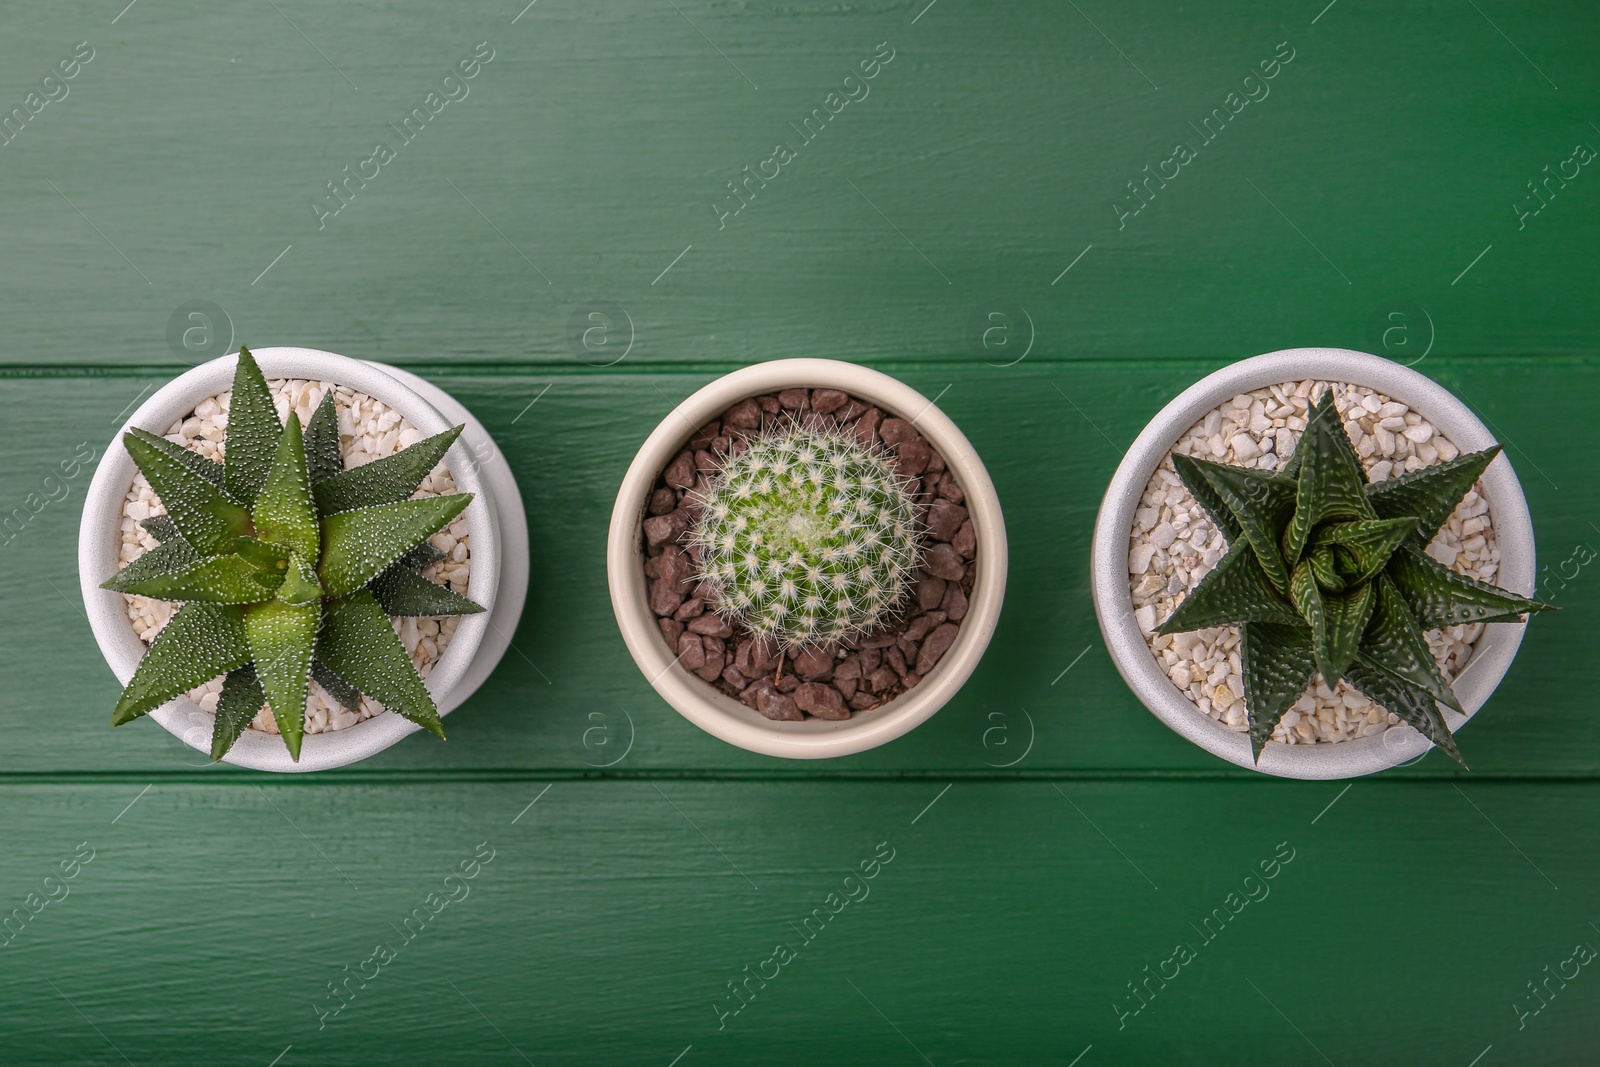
(714, 711)
(1493, 653)
(98, 540)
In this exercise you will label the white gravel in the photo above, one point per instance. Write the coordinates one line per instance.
(1174, 544)
(368, 430)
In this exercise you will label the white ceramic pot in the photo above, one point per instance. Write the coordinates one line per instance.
(1114, 603)
(721, 715)
(495, 523)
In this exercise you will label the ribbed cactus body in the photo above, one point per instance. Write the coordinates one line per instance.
(807, 537)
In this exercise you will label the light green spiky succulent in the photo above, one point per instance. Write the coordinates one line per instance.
(1328, 573)
(807, 537)
(288, 568)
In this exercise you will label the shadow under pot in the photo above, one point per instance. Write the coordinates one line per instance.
(807, 558)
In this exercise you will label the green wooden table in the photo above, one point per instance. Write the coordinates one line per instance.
(978, 217)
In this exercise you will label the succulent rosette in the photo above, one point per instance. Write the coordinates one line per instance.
(288, 567)
(1328, 573)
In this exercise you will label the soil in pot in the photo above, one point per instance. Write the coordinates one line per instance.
(368, 430)
(1173, 545)
(863, 673)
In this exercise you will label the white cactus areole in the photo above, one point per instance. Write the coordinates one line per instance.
(807, 537)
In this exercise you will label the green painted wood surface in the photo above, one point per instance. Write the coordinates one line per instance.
(569, 452)
(1367, 200)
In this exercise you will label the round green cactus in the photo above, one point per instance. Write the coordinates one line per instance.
(807, 537)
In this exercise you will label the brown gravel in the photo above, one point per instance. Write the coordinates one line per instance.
(861, 674)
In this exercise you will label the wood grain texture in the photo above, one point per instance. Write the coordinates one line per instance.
(957, 226)
(1005, 927)
(996, 142)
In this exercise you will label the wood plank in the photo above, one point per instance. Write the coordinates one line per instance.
(1004, 929)
(989, 153)
(568, 454)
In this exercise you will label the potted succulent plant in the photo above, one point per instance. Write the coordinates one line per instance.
(295, 573)
(1295, 565)
(806, 558)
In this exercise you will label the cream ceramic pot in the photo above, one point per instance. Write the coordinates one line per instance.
(721, 715)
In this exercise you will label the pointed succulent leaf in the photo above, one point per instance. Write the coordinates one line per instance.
(1440, 597)
(253, 431)
(424, 555)
(1322, 565)
(323, 456)
(1347, 615)
(358, 545)
(1331, 483)
(1431, 493)
(1260, 503)
(218, 580)
(1291, 468)
(208, 469)
(1306, 595)
(241, 699)
(1217, 511)
(284, 511)
(282, 639)
(1278, 663)
(166, 558)
(161, 527)
(1235, 590)
(207, 519)
(300, 585)
(359, 644)
(1363, 547)
(1394, 644)
(384, 481)
(200, 642)
(263, 555)
(1413, 705)
(403, 591)
(348, 696)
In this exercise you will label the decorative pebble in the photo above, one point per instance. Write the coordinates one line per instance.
(820, 700)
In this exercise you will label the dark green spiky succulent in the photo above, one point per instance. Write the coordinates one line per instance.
(288, 568)
(1328, 573)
